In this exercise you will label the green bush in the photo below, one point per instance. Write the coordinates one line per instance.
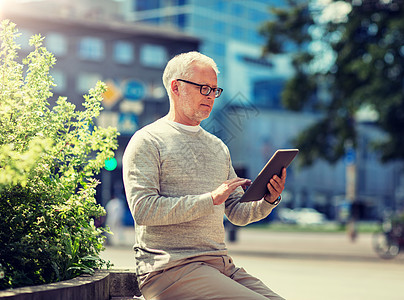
(49, 155)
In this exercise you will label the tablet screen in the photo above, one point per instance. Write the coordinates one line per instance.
(281, 158)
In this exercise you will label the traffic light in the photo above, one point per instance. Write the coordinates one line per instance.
(110, 164)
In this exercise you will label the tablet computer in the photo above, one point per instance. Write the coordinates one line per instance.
(281, 158)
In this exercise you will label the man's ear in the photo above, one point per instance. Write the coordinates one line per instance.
(174, 87)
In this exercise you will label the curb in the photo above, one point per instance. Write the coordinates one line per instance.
(103, 285)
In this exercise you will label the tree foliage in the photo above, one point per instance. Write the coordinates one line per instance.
(48, 157)
(352, 50)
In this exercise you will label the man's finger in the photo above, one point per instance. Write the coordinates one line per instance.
(283, 176)
(240, 182)
(276, 184)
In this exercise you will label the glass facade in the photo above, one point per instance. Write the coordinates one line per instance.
(153, 56)
(91, 48)
(59, 79)
(86, 81)
(123, 52)
(267, 93)
(215, 22)
(146, 5)
(56, 43)
(181, 21)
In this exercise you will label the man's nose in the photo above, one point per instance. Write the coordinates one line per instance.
(212, 93)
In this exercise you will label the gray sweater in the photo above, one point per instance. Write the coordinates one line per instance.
(168, 174)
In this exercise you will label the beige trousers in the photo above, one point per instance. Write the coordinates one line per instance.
(204, 277)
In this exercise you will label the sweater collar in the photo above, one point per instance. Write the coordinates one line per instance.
(185, 127)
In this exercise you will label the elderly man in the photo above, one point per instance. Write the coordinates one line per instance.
(179, 183)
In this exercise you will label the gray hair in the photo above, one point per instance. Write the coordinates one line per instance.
(180, 67)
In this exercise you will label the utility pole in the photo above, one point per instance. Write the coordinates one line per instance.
(350, 189)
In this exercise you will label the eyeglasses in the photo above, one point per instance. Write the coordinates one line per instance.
(205, 89)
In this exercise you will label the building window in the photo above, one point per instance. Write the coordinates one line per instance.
(237, 10)
(237, 32)
(151, 20)
(59, 79)
(123, 52)
(56, 43)
(182, 20)
(255, 38)
(153, 55)
(219, 49)
(258, 16)
(86, 81)
(220, 27)
(91, 48)
(220, 6)
(146, 5)
(267, 93)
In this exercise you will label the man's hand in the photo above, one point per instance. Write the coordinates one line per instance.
(226, 188)
(275, 187)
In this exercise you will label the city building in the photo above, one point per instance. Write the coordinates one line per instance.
(229, 32)
(91, 42)
(129, 58)
(249, 116)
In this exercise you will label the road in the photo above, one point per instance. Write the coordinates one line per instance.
(302, 266)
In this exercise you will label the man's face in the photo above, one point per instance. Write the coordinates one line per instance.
(192, 106)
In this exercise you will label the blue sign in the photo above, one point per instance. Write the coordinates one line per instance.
(127, 123)
(350, 156)
(134, 90)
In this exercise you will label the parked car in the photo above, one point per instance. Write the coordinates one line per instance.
(287, 215)
(301, 216)
(309, 216)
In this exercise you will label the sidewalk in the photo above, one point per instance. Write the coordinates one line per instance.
(330, 246)
(319, 246)
(304, 266)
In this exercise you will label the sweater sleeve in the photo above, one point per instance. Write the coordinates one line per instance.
(243, 213)
(141, 176)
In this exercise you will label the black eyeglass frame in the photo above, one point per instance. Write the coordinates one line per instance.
(217, 91)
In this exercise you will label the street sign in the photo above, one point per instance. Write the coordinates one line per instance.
(350, 156)
(134, 90)
(127, 123)
(111, 95)
(135, 107)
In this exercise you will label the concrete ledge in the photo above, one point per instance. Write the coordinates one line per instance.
(123, 283)
(103, 285)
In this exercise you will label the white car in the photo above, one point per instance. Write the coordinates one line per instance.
(301, 216)
(308, 216)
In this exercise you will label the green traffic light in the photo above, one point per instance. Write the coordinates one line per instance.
(110, 164)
